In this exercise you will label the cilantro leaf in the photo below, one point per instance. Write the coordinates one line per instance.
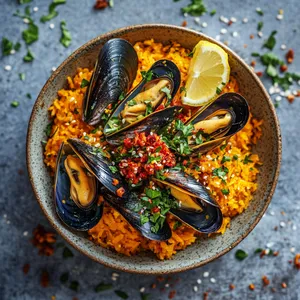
(121, 294)
(84, 83)
(29, 57)
(271, 41)
(52, 12)
(31, 34)
(66, 37)
(14, 104)
(103, 287)
(7, 46)
(147, 75)
(240, 254)
(247, 159)
(271, 71)
(195, 8)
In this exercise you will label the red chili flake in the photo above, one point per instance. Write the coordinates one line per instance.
(45, 279)
(26, 268)
(184, 23)
(259, 74)
(43, 240)
(109, 106)
(253, 63)
(153, 286)
(101, 4)
(290, 98)
(251, 36)
(229, 23)
(263, 253)
(276, 253)
(283, 285)
(115, 181)
(155, 209)
(128, 143)
(251, 287)
(120, 192)
(290, 56)
(290, 262)
(231, 286)
(273, 290)
(205, 296)
(283, 68)
(172, 294)
(185, 162)
(160, 278)
(297, 261)
(265, 280)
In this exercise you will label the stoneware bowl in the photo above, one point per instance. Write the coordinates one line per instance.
(204, 250)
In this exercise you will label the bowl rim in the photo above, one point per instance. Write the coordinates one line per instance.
(121, 31)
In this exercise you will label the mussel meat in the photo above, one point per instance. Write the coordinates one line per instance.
(156, 90)
(196, 206)
(217, 122)
(75, 192)
(114, 73)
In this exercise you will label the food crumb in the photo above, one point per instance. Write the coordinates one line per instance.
(231, 287)
(265, 280)
(251, 287)
(283, 285)
(297, 261)
(184, 23)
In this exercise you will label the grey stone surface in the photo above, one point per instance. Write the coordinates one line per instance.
(20, 212)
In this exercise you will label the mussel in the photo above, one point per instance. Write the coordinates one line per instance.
(114, 73)
(157, 89)
(196, 206)
(217, 122)
(75, 192)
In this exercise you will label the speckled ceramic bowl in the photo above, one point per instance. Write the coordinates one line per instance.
(204, 250)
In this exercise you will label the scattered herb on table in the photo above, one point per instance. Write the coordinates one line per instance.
(31, 34)
(52, 13)
(213, 12)
(103, 287)
(28, 95)
(66, 37)
(29, 57)
(121, 294)
(195, 8)
(22, 76)
(260, 25)
(8, 46)
(240, 254)
(64, 277)
(271, 41)
(74, 285)
(145, 296)
(67, 253)
(24, 1)
(15, 104)
(259, 11)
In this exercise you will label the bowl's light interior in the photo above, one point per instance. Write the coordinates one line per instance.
(203, 250)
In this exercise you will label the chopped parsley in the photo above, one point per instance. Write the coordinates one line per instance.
(259, 11)
(14, 104)
(218, 91)
(94, 130)
(176, 225)
(240, 254)
(247, 159)
(271, 71)
(183, 89)
(223, 147)
(213, 12)
(48, 129)
(103, 287)
(8, 46)
(221, 172)
(74, 285)
(66, 37)
(114, 124)
(225, 191)
(235, 157)
(29, 57)
(113, 169)
(86, 137)
(84, 83)
(22, 76)
(270, 59)
(31, 34)
(260, 25)
(191, 54)
(271, 41)
(52, 13)
(131, 102)
(121, 294)
(122, 96)
(225, 159)
(145, 296)
(149, 108)
(28, 96)
(195, 8)
(147, 75)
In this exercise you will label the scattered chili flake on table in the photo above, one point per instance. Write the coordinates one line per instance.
(290, 56)
(172, 294)
(205, 296)
(283, 68)
(45, 279)
(101, 4)
(251, 287)
(26, 268)
(43, 240)
(231, 287)
(283, 285)
(297, 261)
(184, 23)
(290, 98)
(265, 280)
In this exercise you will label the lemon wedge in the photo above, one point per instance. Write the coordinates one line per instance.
(208, 74)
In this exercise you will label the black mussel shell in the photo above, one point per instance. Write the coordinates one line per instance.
(160, 69)
(99, 166)
(67, 210)
(126, 208)
(151, 123)
(114, 73)
(236, 105)
(210, 219)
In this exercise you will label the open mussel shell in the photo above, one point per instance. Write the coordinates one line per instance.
(114, 73)
(151, 123)
(196, 206)
(69, 211)
(100, 167)
(232, 106)
(126, 207)
(164, 74)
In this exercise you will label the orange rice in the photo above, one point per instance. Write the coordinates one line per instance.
(113, 231)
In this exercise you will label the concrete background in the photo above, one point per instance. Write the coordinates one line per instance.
(20, 212)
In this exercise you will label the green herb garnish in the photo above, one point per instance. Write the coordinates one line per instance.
(220, 172)
(195, 8)
(28, 96)
(240, 254)
(147, 75)
(24, 1)
(225, 159)
(271, 41)
(176, 225)
(29, 57)
(66, 37)
(260, 25)
(31, 34)
(218, 91)
(167, 92)
(183, 89)
(259, 11)
(131, 102)
(84, 83)
(271, 71)
(149, 108)
(48, 129)
(213, 12)
(225, 191)
(74, 285)
(103, 287)
(14, 104)
(247, 159)
(113, 169)
(22, 76)
(235, 157)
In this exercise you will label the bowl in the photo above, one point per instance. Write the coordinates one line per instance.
(202, 251)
